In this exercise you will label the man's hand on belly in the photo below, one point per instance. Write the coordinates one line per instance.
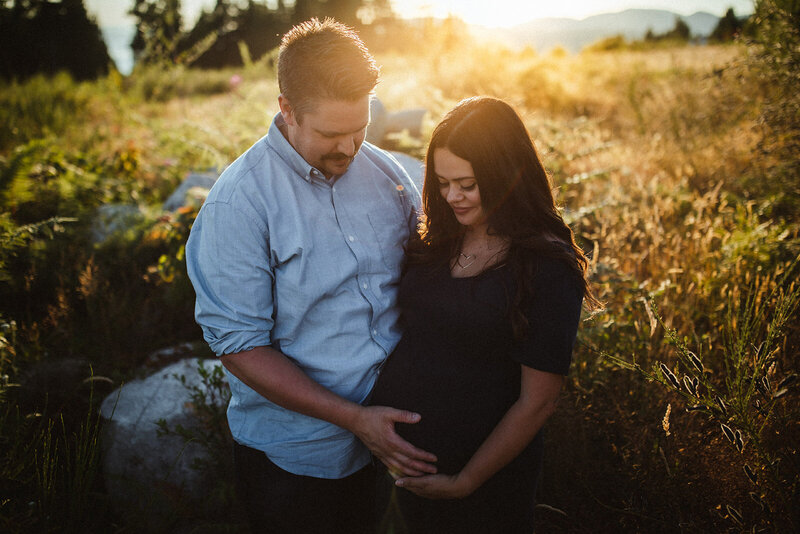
(374, 426)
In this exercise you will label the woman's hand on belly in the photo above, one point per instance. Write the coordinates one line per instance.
(438, 486)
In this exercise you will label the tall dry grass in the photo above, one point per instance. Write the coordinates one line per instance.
(653, 155)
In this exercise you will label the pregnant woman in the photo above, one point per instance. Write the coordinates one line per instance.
(491, 301)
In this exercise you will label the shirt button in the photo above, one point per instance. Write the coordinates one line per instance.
(374, 332)
(365, 285)
(351, 238)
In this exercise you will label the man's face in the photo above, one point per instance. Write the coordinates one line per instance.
(329, 135)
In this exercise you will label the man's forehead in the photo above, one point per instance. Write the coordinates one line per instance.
(331, 116)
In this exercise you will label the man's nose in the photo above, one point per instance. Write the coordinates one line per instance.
(347, 146)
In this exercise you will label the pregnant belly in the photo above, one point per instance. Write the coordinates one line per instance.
(460, 404)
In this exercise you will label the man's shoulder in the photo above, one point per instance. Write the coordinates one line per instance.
(247, 172)
(390, 165)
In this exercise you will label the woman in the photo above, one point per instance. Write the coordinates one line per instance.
(491, 300)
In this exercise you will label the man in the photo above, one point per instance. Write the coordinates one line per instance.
(295, 258)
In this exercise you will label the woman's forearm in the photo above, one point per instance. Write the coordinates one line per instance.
(517, 428)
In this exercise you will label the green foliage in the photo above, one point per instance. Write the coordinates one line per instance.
(159, 31)
(159, 83)
(776, 26)
(40, 107)
(48, 471)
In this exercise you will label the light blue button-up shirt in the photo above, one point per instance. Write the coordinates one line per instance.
(279, 256)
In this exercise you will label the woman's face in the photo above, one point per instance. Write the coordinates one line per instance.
(458, 187)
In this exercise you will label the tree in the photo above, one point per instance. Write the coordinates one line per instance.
(256, 27)
(42, 36)
(680, 32)
(158, 30)
(727, 28)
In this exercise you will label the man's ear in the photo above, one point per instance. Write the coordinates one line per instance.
(287, 110)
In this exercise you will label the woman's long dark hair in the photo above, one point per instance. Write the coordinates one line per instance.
(515, 193)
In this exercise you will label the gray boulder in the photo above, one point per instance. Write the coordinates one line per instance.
(178, 198)
(383, 122)
(110, 219)
(141, 467)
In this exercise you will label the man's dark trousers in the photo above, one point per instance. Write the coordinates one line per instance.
(279, 502)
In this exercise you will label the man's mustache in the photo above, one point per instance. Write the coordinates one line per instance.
(336, 156)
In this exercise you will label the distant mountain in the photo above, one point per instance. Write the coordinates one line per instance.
(573, 35)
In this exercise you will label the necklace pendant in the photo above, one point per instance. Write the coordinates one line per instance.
(468, 259)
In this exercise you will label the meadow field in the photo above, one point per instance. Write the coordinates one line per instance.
(676, 167)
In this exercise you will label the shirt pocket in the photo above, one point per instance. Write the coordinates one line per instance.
(391, 234)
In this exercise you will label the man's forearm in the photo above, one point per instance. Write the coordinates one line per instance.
(274, 376)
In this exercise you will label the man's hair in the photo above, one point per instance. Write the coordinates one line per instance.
(324, 60)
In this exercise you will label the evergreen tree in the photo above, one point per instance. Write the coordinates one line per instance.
(727, 28)
(159, 30)
(680, 32)
(42, 36)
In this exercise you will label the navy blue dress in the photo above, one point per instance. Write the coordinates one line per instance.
(459, 367)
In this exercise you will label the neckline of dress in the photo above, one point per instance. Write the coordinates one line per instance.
(498, 267)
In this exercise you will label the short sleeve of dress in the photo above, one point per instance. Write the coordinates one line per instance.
(553, 318)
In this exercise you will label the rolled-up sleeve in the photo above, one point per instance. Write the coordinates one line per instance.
(228, 261)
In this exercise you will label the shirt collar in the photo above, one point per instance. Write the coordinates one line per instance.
(288, 154)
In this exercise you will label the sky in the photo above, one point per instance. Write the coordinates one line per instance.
(488, 13)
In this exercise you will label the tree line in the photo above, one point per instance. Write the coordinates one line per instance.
(47, 36)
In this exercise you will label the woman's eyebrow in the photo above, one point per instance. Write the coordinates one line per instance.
(456, 179)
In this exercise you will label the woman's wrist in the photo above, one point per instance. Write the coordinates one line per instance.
(465, 484)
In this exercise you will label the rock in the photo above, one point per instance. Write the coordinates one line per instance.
(383, 123)
(112, 218)
(377, 121)
(141, 468)
(407, 119)
(194, 180)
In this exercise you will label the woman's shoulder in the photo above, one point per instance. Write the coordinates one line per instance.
(557, 265)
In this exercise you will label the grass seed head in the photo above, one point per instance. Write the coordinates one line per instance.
(750, 474)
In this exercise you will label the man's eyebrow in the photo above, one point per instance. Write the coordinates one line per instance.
(335, 134)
